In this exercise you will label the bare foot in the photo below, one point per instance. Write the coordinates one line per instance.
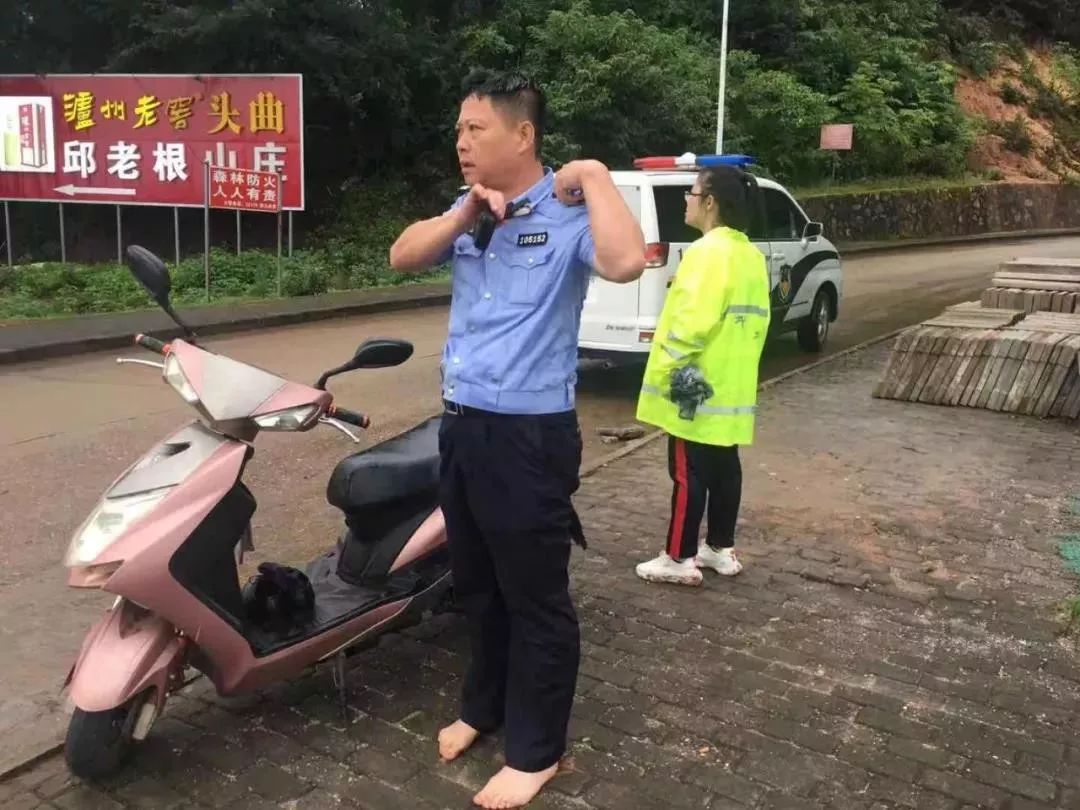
(455, 740)
(510, 788)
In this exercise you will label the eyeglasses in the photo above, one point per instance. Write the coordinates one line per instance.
(688, 194)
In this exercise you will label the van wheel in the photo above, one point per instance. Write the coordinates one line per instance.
(814, 330)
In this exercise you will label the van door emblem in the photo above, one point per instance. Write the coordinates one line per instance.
(784, 288)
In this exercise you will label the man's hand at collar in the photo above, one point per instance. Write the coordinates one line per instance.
(477, 200)
(570, 180)
(620, 244)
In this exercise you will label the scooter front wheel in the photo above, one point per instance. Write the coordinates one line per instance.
(99, 743)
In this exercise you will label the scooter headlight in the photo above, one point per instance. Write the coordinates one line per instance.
(111, 518)
(174, 376)
(289, 419)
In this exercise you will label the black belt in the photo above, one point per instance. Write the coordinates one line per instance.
(456, 409)
(465, 410)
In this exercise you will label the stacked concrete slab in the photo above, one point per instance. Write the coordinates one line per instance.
(1036, 285)
(1017, 350)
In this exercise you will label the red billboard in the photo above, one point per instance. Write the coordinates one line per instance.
(145, 139)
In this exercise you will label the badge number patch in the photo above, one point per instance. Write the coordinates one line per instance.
(532, 239)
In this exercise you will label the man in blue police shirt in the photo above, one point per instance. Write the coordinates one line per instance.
(510, 441)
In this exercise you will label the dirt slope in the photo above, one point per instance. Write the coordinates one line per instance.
(1013, 142)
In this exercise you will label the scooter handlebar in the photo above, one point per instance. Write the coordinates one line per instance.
(350, 417)
(153, 344)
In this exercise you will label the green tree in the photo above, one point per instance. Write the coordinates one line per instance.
(766, 27)
(776, 118)
(906, 118)
(620, 87)
(66, 36)
(359, 74)
(1047, 20)
(617, 86)
(836, 36)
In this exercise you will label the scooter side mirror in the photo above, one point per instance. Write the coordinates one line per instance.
(151, 273)
(381, 353)
(373, 353)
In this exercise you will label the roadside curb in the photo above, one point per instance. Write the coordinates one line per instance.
(244, 318)
(30, 763)
(889, 246)
(594, 467)
(98, 335)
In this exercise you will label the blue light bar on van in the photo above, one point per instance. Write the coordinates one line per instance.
(692, 161)
(741, 161)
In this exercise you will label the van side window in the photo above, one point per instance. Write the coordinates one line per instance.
(671, 214)
(757, 230)
(784, 223)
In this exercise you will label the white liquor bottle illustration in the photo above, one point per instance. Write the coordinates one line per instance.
(32, 135)
(11, 142)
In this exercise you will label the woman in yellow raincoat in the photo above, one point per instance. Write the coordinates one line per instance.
(701, 379)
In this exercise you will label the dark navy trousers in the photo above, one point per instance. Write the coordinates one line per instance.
(506, 486)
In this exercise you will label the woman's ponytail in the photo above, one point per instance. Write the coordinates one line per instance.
(737, 195)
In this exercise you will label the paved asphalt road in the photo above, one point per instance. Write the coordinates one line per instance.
(70, 426)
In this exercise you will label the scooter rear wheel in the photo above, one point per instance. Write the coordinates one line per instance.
(99, 743)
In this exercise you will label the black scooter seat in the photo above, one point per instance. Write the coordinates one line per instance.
(401, 467)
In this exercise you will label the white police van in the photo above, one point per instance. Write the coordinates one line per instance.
(805, 271)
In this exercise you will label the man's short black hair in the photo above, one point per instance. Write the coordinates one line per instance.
(512, 92)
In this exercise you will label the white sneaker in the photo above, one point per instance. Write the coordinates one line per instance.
(723, 562)
(665, 569)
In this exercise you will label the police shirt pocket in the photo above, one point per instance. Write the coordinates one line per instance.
(464, 246)
(466, 282)
(530, 275)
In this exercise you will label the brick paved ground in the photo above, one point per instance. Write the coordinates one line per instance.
(893, 643)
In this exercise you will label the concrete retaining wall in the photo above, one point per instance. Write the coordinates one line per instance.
(946, 213)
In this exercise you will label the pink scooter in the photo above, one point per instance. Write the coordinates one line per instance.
(168, 535)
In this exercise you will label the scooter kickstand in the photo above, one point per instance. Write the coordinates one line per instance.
(339, 682)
